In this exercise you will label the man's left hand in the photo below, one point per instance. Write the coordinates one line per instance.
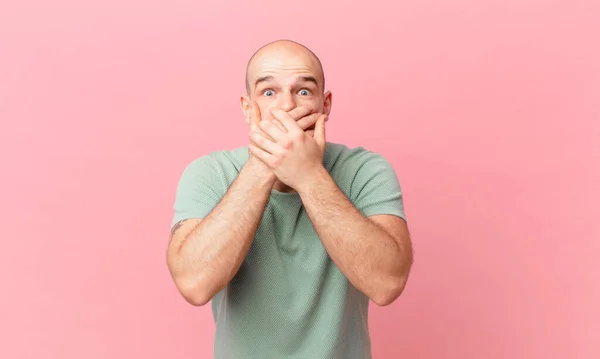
(294, 156)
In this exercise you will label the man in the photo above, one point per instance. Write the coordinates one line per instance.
(291, 235)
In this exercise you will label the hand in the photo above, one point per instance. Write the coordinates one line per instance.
(305, 119)
(292, 154)
(254, 164)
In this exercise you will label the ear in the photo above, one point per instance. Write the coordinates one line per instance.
(327, 97)
(246, 108)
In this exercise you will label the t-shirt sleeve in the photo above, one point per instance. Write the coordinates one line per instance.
(376, 188)
(198, 192)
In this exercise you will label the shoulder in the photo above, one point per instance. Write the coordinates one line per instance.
(342, 159)
(203, 182)
(229, 160)
(368, 179)
(217, 169)
(356, 169)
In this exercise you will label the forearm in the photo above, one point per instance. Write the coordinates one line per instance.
(208, 256)
(365, 253)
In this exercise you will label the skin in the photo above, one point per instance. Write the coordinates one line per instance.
(284, 75)
(285, 101)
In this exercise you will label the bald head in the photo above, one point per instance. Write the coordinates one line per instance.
(279, 54)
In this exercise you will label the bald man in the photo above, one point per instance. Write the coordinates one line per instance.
(291, 235)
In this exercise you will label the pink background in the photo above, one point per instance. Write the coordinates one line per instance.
(489, 111)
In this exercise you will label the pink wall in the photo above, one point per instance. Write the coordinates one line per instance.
(489, 111)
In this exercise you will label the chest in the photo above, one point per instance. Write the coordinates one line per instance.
(286, 232)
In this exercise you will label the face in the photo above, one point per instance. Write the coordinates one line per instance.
(285, 80)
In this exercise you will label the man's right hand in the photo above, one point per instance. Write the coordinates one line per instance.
(305, 117)
(256, 166)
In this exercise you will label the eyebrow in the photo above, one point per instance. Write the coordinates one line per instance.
(271, 78)
(309, 79)
(263, 79)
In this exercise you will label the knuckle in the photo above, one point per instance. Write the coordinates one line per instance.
(279, 160)
(286, 143)
(295, 113)
(298, 136)
(306, 110)
(300, 112)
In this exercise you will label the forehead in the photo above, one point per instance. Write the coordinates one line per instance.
(284, 65)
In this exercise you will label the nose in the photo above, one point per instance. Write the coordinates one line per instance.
(287, 101)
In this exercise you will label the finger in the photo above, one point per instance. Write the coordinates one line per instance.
(254, 115)
(309, 121)
(300, 112)
(279, 125)
(272, 130)
(264, 143)
(255, 119)
(290, 124)
(262, 155)
(319, 135)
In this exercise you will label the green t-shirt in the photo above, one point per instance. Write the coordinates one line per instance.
(288, 299)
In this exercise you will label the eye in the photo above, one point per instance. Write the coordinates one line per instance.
(268, 93)
(304, 92)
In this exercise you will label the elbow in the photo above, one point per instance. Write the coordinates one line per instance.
(393, 286)
(196, 299)
(388, 294)
(194, 292)
(194, 288)
(385, 298)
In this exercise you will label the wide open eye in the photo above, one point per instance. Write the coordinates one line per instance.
(268, 93)
(304, 92)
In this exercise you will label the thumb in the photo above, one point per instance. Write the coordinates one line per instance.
(254, 116)
(319, 134)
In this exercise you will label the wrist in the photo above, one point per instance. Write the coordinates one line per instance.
(256, 169)
(316, 178)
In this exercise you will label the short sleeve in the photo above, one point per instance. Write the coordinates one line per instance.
(376, 189)
(198, 192)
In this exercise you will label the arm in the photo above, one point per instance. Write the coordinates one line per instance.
(211, 236)
(204, 254)
(374, 252)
